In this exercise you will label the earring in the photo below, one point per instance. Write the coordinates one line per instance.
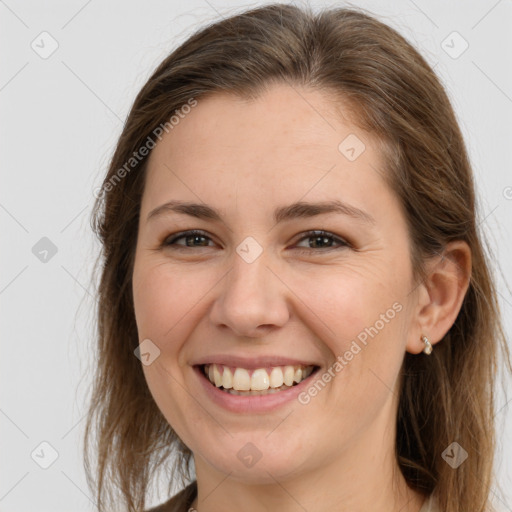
(428, 346)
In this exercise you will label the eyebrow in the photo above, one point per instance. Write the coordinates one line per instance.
(299, 209)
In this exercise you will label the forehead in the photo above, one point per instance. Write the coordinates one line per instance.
(288, 141)
(283, 116)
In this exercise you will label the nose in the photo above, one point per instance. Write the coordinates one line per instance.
(252, 300)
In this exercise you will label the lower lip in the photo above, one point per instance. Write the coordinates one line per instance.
(251, 403)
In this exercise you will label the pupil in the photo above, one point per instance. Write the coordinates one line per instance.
(194, 238)
(321, 239)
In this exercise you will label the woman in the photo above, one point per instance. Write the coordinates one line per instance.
(294, 293)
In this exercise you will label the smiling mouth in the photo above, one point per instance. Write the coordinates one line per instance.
(259, 381)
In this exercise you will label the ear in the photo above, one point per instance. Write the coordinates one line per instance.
(440, 295)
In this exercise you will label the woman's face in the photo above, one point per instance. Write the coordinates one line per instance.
(253, 291)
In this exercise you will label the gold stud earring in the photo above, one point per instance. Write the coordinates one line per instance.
(428, 346)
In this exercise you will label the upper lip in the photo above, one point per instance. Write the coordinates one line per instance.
(252, 363)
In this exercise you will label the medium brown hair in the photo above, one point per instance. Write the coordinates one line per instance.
(445, 397)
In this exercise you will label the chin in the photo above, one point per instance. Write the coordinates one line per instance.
(256, 460)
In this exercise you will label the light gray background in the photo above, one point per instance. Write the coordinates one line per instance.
(60, 118)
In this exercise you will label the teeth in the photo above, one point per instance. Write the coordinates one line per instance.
(306, 372)
(255, 393)
(217, 377)
(276, 378)
(289, 373)
(241, 380)
(227, 378)
(260, 382)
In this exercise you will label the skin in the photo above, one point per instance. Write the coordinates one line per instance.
(246, 158)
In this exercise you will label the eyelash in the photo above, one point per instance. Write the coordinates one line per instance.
(170, 241)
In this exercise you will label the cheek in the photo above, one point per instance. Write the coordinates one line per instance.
(169, 393)
(169, 301)
(160, 296)
(363, 321)
(352, 303)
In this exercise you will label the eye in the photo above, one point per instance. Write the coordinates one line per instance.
(323, 240)
(319, 239)
(193, 238)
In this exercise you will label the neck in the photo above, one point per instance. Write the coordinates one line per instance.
(288, 497)
(362, 477)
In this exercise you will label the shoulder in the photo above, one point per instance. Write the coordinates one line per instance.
(180, 502)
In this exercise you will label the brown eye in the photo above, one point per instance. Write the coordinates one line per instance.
(193, 238)
(319, 239)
